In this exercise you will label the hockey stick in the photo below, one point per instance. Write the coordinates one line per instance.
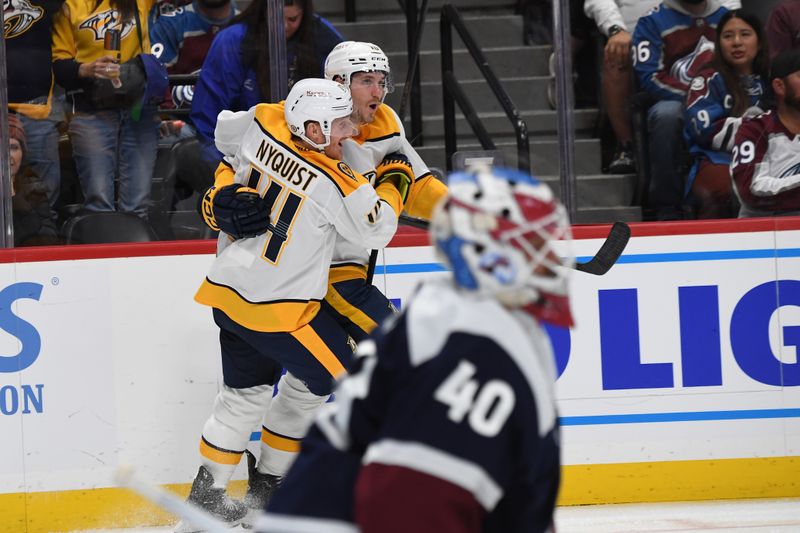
(598, 265)
(127, 478)
(609, 252)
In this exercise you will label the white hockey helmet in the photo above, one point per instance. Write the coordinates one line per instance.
(316, 100)
(350, 57)
(496, 229)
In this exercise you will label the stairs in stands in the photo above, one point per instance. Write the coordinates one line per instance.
(522, 71)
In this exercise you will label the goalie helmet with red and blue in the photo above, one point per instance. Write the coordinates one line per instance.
(497, 230)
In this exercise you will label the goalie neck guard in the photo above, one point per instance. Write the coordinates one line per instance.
(495, 229)
(316, 100)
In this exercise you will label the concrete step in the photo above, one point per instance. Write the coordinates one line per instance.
(489, 31)
(505, 61)
(375, 9)
(540, 123)
(597, 215)
(528, 92)
(599, 190)
(544, 155)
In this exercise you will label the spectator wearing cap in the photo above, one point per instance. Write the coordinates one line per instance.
(783, 27)
(765, 163)
(31, 213)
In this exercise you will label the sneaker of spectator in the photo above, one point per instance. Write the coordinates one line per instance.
(623, 161)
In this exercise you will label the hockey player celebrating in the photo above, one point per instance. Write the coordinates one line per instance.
(472, 446)
(280, 199)
(379, 147)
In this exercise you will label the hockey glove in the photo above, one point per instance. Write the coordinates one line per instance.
(396, 169)
(236, 210)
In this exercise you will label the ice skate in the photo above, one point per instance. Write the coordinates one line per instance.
(213, 500)
(260, 488)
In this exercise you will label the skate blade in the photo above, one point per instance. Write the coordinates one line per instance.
(250, 519)
(187, 527)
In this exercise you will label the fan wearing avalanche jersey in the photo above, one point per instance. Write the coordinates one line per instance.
(181, 36)
(281, 197)
(380, 145)
(670, 45)
(448, 422)
(729, 87)
(765, 162)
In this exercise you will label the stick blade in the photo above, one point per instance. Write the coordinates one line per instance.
(609, 252)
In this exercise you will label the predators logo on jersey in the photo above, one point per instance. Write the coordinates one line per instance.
(19, 16)
(103, 21)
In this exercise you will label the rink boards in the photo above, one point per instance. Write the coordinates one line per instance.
(680, 381)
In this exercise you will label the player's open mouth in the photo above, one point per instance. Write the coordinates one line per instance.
(373, 106)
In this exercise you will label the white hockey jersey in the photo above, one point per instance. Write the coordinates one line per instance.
(274, 282)
(383, 136)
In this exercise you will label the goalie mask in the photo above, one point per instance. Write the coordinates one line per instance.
(496, 229)
(316, 100)
(350, 57)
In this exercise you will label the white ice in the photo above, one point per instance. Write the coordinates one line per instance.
(739, 516)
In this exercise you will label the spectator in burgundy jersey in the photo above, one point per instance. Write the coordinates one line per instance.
(670, 45)
(765, 162)
(729, 87)
(783, 27)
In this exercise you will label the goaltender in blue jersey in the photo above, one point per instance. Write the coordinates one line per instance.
(448, 422)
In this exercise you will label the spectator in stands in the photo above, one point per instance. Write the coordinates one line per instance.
(236, 72)
(669, 46)
(32, 216)
(28, 28)
(109, 138)
(729, 87)
(783, 27)
(181, 37)
(765, 162)
(616, 19)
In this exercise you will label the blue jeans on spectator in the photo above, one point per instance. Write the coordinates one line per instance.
(665, 139)
(42, 147)
(110, 143)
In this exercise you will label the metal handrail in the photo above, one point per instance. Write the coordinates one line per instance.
(452, 93)
(414, 22)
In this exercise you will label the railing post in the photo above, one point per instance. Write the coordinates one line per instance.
(412, 16)
(278, 79)
(566, 106)
(349, 10)
(6, 210)
(448, 105)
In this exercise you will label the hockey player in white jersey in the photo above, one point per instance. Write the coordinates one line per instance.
(380, 144)
(472, 445)
(280, 199)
